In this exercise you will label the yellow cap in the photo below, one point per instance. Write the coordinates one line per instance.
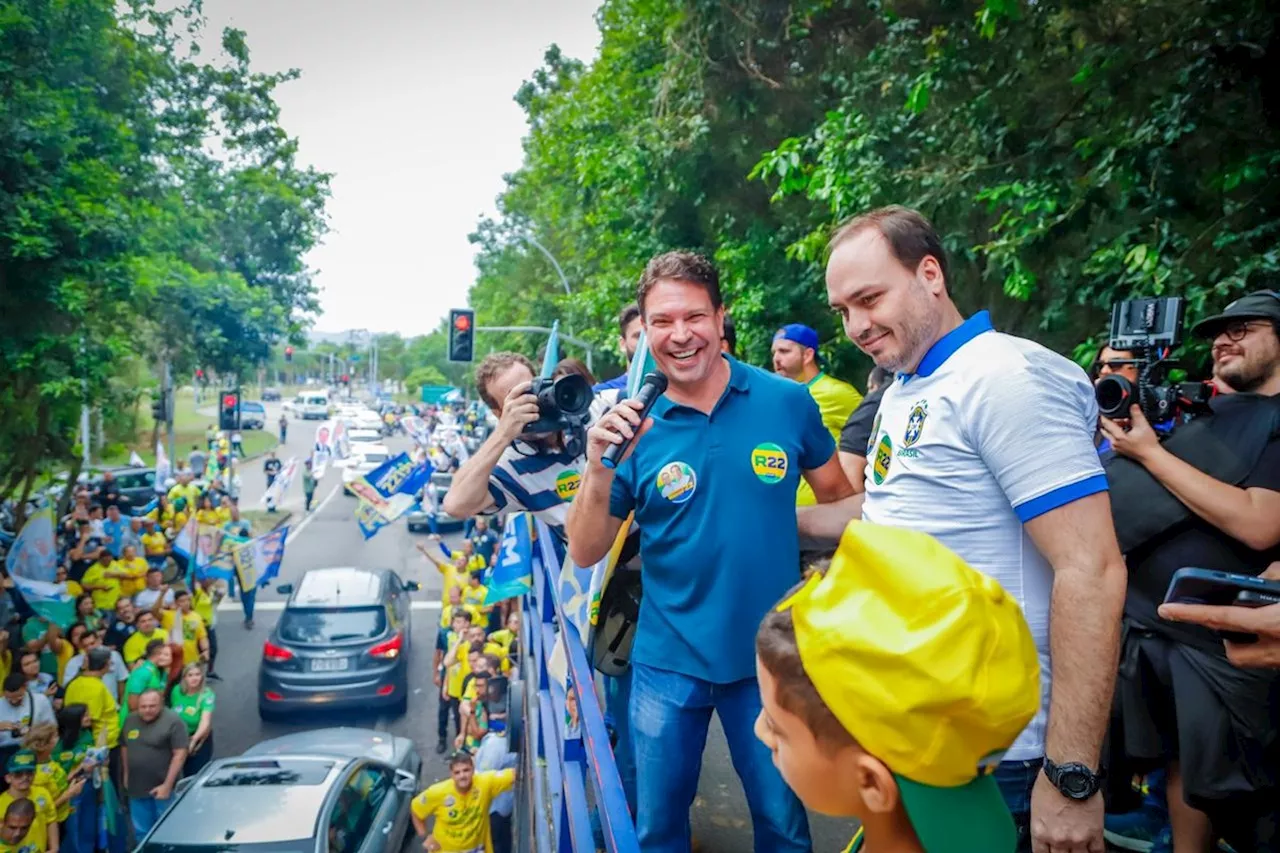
(930, 666)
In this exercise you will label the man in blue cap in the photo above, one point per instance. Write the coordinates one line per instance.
(795, 356)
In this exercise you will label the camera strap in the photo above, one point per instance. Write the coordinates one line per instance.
(1225, 444)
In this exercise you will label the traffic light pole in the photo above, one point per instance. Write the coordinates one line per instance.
(169, 400)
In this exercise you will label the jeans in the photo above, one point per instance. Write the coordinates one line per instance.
(247, 597)
(1016, 779)
(307, 497)
(145, 812)
(617, 700)
(447, 708)
(670, 714)
(197, 760)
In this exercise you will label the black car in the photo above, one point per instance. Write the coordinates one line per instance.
(343, 640)
(271, 394)
(420, 520)
(340, 790)
(135, 486)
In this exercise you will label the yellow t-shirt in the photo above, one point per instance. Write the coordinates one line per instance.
(446, 614)
(136, 646)
(193, 631)
(503, 637)
(38, 835)
(474, 595)
(137, 571)
(154, 544)
(502, 653)
(103, 599)
(462, 820)
(65, 653)
(451, 577)
(94, 695)
(459, 671)
(74, 589)
(224, 515)
(176, 523)
(53, 779)
(202, 603)
(836, 401)
(208, 516)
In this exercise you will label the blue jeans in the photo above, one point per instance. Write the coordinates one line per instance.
(670, 714)
(617, 701)
(1016, 779)
(80, 835)
(145, 813)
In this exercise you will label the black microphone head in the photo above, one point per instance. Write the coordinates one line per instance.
(657, 380)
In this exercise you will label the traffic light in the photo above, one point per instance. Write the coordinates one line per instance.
(288, 353)
(346, 380)
(158, 412)
(199, 375)
(229, 412)
(462, 334)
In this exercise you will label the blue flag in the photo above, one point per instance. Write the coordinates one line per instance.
(33, 554)
(641, 363)
(552, 356)
(388, 492)
(512, 572)
(258, 562)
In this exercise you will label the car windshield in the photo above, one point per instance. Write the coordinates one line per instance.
(375, 458)
(317, 626)
(251, 407)
(248, 805)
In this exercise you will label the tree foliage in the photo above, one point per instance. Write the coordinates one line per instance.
(151, 208)
(1073, 154)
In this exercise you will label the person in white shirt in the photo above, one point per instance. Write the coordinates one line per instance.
(19, 711)
(117, 672)
(985, 441)
(146, 599)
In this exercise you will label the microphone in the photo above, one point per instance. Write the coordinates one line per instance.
(651, 388)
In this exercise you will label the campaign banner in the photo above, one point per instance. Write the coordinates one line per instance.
(388, 492)
(416, 428)
(184, 544)
(274, 495)
(135, 461)
(34, 555)
(339, 443)
(321, 452)
(512, 572)
(49, 601)
(258, 561)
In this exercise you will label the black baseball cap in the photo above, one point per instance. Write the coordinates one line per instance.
(1259, 305)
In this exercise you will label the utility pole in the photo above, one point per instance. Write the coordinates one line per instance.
(169, 400)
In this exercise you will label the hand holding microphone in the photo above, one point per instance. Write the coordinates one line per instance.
(611, 439)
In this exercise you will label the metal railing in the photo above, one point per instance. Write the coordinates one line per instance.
(570, 797)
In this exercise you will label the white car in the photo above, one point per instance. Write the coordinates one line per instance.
(365, 457)
(355, 435)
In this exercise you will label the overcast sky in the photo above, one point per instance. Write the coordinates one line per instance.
(409, 104)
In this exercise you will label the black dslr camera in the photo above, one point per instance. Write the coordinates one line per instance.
(564, 406)
(1150, 329)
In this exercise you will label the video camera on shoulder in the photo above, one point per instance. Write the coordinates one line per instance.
(564, 406)
(1150, 329)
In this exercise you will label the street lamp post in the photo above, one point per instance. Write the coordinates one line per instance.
(543, 249)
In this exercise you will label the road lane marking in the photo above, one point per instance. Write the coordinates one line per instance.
(307, 520)
(277, 606)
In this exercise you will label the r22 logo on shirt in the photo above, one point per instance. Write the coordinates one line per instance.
(769, 462)
(567, 485)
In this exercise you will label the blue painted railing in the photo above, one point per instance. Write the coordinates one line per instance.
(569, 785)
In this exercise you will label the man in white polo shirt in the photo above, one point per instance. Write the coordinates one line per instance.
(986, 442)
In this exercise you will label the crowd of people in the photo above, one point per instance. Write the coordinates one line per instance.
(987, 444)
(107, 707)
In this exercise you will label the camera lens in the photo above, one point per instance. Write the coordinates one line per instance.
(1114, 395)
(573, 394)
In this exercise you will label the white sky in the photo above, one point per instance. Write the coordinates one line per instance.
(410, 105)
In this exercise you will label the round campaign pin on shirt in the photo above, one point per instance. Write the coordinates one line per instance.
(567, 485)
(769, 462)
(677, 482)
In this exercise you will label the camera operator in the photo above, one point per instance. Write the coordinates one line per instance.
(711, 479)
(1220, 745)
(513, 469)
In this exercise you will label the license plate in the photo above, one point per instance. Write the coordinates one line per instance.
(329, 664)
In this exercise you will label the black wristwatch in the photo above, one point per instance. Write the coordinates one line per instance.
(1074, 780)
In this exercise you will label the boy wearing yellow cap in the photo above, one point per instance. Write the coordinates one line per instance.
(891, 684)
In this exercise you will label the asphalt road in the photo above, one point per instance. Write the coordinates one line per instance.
(329, 537)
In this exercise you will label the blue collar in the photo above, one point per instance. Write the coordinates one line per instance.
(948, 344)
(739, 378)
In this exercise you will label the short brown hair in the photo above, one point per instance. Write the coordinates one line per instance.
(780, 655)
(680, 266)
(493, 364)
(911, 236)
(573, 365)
(626, 315)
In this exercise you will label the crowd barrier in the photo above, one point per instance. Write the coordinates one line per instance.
(569, 797)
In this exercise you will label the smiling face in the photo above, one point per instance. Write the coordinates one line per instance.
(1246, 355)
(684, 330)
(892, 313)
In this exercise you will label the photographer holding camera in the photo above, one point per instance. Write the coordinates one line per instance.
(533, 460)
(1207, 497)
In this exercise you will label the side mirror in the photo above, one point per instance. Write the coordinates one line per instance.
(406, 782)
(412, 586)
(182, 785)
(284, 588)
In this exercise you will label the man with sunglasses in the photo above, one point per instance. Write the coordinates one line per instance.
(1221, 748)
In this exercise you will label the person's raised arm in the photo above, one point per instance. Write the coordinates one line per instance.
(593, 522)
(469, 492)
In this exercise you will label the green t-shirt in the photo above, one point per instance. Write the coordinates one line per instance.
(34, 629)
(71, 758)
(146, 677)
(191, 708)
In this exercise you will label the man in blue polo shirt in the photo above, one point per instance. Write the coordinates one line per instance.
(985, 441)
(712, 483)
